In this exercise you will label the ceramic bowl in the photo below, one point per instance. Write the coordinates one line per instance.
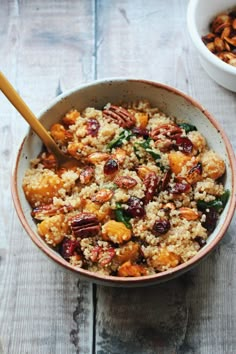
(200, 13)
(97, 94)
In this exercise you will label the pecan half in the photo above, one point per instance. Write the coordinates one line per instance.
(86, 175)
(43, 211)
(85, 225)
(164, 135)
(125, 182)
(120, 115)
(102, 256)
(165, 131)
(151, 183)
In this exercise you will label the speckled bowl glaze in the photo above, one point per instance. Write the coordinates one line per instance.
(199, 16)
(97, 94)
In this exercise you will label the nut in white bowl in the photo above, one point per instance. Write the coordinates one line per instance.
(200, 14)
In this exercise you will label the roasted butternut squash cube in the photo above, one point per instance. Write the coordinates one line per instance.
(177, 161)
(41, 187)
(116, 232)
(53, 229)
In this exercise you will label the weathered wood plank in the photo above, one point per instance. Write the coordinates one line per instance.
(192, 314)
(46, 47)
(152, 320)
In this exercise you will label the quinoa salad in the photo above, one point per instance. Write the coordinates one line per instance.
(145, 196)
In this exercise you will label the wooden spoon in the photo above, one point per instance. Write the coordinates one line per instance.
(9, 91)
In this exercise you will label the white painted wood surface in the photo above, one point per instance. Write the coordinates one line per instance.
(48, 47)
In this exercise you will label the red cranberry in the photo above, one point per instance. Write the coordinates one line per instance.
(200, 241)
(211, 219)
(68, 247)
(196, 169)
(141, 132)
(179, 188)
(166, 179)
(184, 144)
(135, 207)
(111, 166)
(161, 227)
(93, 126)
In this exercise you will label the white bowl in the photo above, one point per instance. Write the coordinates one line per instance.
(200, 13)
(97, 94)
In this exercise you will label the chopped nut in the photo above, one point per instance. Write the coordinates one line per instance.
(219, 44)
(143, 171)
(211, 46)
(103, 196)
(188, 213)
(119, 155)
(151, 183)
(222, 39)
(125, 182)
(86, 175)
(97, 157)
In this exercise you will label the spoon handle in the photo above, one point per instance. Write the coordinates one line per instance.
(11, 94)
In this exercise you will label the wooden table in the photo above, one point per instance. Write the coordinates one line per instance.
(50, 46)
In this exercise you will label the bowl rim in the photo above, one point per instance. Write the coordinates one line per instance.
(198, 43)
(141, 280)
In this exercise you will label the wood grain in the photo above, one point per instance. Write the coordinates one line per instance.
(48, 47)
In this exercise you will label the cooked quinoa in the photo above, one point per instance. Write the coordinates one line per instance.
(144, 197)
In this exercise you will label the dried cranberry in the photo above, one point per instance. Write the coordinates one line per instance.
(135, 207)
(211, 219)
(68, 247)
(111, 166)
(183, 144)
(161, 227)
(180, 188)
(196, 169)
(166, 179)
(141, 132)
(93, 126)
(200, 241)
